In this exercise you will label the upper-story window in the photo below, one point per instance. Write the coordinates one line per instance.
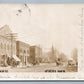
(4, 46)
(1, 45)
(28, 51)
(24, 51)
(8, 47)
(20, 50)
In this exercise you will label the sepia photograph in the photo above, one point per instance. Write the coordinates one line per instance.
(41, 38)
(37, 38)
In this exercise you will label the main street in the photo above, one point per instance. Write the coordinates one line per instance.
(44, 68)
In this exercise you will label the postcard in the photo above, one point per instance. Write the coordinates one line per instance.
(41, 41)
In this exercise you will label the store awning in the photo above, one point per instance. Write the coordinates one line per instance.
(5, 55)
(8, 55)
(16, 58)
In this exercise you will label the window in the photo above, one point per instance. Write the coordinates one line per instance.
(27, 51)
(4, 46)
(20, 50)
(8, 47)
(1, 45)
(24, 51)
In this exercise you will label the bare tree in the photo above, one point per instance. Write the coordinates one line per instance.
(63, 57)
(75, 55)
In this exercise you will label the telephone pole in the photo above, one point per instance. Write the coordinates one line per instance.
(12, 37)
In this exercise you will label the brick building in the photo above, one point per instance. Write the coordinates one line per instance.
(14, 52)
(23, 52)
(35, 54)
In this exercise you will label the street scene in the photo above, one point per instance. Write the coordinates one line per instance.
(21, 57)
(40, 45)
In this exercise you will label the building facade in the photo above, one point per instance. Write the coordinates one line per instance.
(35, 54)
(23, 52)
(7, 46)
(14, 52)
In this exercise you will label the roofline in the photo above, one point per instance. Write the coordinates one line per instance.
(23, 42)
(6, 38)
(3, 27)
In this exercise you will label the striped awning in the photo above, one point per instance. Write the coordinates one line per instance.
(16, 58)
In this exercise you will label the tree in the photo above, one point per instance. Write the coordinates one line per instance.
(53, 54)
(75, 55)
(63, 57)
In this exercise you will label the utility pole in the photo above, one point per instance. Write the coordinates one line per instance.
(12, 37)
(52, 51)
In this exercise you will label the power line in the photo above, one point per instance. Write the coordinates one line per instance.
(12, 37)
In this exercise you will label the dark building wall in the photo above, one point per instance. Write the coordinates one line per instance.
(32, 54)
(23, 52)
(35, 54)
(17, 48)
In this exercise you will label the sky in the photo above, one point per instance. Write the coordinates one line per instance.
(44, 24)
